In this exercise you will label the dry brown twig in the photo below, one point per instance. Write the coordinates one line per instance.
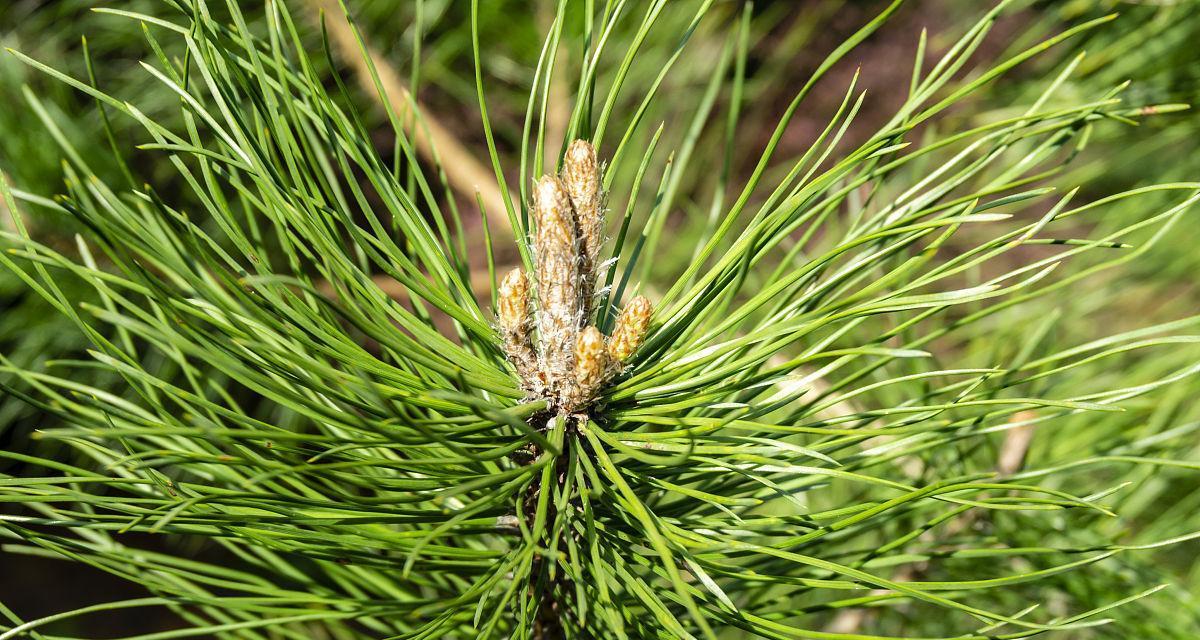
(433, 141)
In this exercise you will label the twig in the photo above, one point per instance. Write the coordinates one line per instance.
(433, 141)
(480, 283)
(1016, 444)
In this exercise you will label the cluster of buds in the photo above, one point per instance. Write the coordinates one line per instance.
(557, 353)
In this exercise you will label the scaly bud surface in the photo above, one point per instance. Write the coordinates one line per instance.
(560, 294)
(581, 177)
(512, 309)
(513, 301)
(565, 361)
(631, 329)
(591, 367)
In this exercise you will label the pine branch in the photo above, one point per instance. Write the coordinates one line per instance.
(586, 462)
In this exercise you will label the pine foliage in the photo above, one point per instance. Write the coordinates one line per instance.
(799, 441)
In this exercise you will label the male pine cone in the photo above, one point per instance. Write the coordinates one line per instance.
(568, 361)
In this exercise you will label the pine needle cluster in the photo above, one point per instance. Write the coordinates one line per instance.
(799, 438)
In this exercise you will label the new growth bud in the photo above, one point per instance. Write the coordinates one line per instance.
(591, 366)
(581, 177)
(561, 309)
(631, 329)
(512, 303)
(566, 362)
(512, 309)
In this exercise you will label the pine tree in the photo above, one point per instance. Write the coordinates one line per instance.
(756, 421)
